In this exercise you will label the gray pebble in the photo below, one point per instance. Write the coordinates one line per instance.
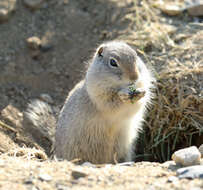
(45, 177)
(126, 164)
(88, 164)
(172, 179)
(28, 181)
(190, 172)
(33, 4)
(46, 98)
(195, 8)
(187, 157)
(78, 174)
(33, 42)
(6, 8)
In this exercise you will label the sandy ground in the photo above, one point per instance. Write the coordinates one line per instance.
(20, 173)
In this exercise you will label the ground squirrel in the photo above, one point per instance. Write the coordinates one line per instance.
(103, 113)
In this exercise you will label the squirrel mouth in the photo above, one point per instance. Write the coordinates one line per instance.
(136, 94)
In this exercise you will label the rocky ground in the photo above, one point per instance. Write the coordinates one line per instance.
(28, 172)
(66, 33)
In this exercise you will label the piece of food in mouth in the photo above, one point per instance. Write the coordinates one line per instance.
(136, 94)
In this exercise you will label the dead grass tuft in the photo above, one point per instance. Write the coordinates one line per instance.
(27, 153)
(175, 50)
(176, 119)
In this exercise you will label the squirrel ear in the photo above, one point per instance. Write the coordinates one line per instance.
(100, 51)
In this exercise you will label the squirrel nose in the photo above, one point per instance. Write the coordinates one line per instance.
(133, 76)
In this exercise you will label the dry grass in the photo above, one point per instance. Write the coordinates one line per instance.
(173, 46)
(26, 153)
(176, 119)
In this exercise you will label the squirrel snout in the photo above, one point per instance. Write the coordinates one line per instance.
(133, 73)
(133, 76)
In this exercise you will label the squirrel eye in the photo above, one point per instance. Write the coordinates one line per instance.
(113, 63)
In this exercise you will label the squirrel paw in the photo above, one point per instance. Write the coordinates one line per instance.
(131, 95)
(124, 95)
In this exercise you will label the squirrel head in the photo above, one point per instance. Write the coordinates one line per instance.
(116, 65)
(119, 59)
(115, 62)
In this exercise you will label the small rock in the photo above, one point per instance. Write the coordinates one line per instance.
(33, 42)
(190, 172)
(7, 7)
(45, 177)
(168, 163)
(195, 7)
(28, 181)
(170, 9)
(126, 164)
(61, 187)
(201, 150)
(46, 98)
(171, 165)
(34, 188)
(187, 156)
(88, 164)
(77, 174)
(33, 4)
(172, 179)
